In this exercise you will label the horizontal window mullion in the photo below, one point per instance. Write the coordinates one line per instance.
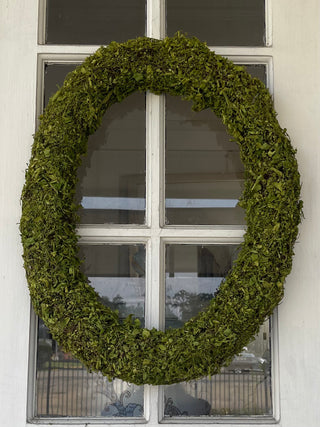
(102, 234)
(205, 234)
(92, 235)
(242, 51)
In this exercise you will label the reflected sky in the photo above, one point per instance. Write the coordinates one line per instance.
(139, 204)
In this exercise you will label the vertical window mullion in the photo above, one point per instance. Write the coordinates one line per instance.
(156, 26)
(155, 206)
(154, 203)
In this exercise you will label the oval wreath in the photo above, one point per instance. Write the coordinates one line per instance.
(61, 294)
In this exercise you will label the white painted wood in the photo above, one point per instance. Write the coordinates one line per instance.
(154, 168)
(268, 15)
(275, 373)
(89, 49)
(256, 59)
(98, 233)
(155, 19)
(42, 21)
(18, 37)
(296, 93)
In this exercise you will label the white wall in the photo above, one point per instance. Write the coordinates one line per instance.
(17, 91)
(296, 54)
(297, 63)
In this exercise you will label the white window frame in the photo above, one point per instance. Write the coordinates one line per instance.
(155, 235)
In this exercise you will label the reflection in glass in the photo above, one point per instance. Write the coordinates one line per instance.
(117, 273)
(204, 173)
(219, 22)
(64, 388)
(54, 75)
(257, 70)
(111, 186)
(193, 274)
(95, 22)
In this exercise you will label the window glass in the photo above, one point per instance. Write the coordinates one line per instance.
(112, 183)
(117, 273)
(219, 22)
(193, 274)
(111, 187)
(54, 75)
(64, 387)
(94, 22)
(204, 173)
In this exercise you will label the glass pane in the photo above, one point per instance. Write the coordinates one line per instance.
(117, 273)
(204, 173)
(54, 75)
(111, 186)
(64, 388)
(95, 21)
(193, 273)
(219, 22)
(257, 70)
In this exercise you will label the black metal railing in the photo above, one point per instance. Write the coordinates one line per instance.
(66, 388)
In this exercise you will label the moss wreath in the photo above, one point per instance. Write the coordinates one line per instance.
(61, 294)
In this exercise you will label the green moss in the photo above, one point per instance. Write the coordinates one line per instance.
(61, 294)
